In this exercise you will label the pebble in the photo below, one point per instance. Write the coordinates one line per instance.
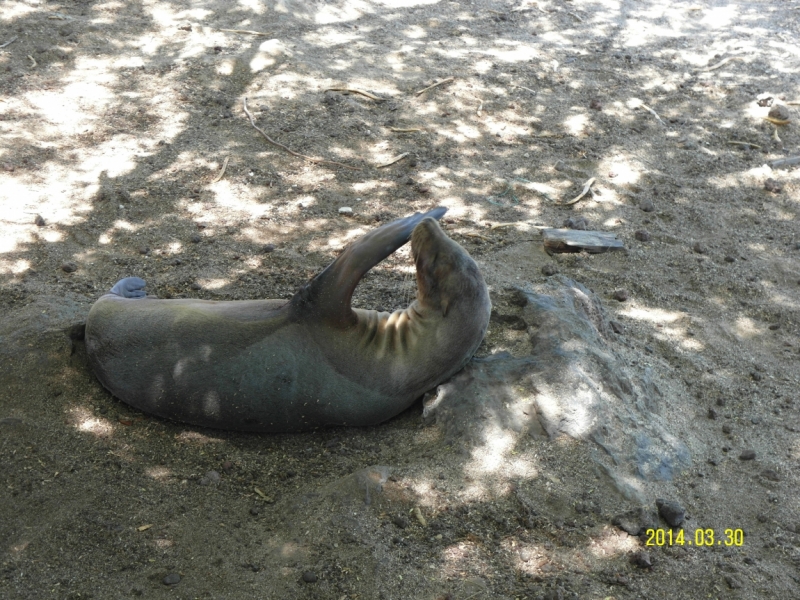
(595, 104)
(195, 238)
(196, 286)
(747, 455)
(621, 295)
(255, 511)
(549, 269)
(774, 326)
(755, 375)
(144, 250)
(771, 185)
(228, 466)
(616, 327)
(268, 248)
(647, 205)
(642, 559)
(345, 210)
(309, 577)
(729, 259)
(726, 429)
(770, 474)
(672, 512)
(642, 235)
(699, 248)
(69, 267)
(712, 414)
(400, 521)
(779, 111)
(39, 221)
(733, 582)
(172, 579)
(210, 478)
(579, 223)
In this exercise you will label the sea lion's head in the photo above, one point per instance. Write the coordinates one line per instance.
(446, 274)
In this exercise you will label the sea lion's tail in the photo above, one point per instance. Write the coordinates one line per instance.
(328, 295)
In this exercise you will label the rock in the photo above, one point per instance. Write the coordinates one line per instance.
(672, 512)
(771, 475)
(345, 210)
(712, 414)
(267, 248)
(211, 478)
(309, 577)
(699, 248)
(726, 429)
(771, 185)
(647, 205)
(642, 559)
(642, 235)
(400, 521)
(635, 522)
(579, 223)
(616, 327)
(779, 112)
(171, 579)
(729, 258)
(195, 238)
(69, 267)
(620, 295)
(39, 221)
(549, 269)
(747, 455)
(595, 104)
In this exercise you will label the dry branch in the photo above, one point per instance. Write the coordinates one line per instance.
(430, 87)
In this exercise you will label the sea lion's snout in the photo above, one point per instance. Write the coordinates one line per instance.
(446, 273)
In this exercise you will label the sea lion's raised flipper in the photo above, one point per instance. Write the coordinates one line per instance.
(328, 294)
(130, 287)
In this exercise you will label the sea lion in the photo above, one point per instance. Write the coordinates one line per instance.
(301, 364)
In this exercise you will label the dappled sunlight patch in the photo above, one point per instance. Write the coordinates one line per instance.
(213, 284)
(651, 315)
(159, 473)
(14, 267)
(195, 437)
(84, 421)
(350, 10)
(746, 328)
(613, 542)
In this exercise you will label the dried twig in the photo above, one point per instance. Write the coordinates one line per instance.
(222, 172)
(586, 188)
(405, 130)
(292, 152)
(247, 31)
(750, 144)
(654, 113)
(355, 91)
(721, 63)
(430, 87)
(775, 135)
(394, 160)
(33, 60)
(12, 40)
(575, 16)
(476, 235)
(775, 121)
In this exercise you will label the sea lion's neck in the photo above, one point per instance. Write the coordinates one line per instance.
(393, 333)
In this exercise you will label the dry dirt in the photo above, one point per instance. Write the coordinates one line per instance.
(116, 122)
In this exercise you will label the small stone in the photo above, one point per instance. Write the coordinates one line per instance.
(770, 474)
(65, 31)
(616, 327)
(400, 521)
(69, 267)
(726, 429)
(196, 286)
(647, 205)
(171, 579)
(549, 269)
(620, 295)
(594, 104)
(755, 375)
(779, 111)
(345, 210)
(755, 420)
(765, 101)
(642, 559)
(720, 401)
(747, 455)
(144, 250)
(195, 238)
(642, 235)
(255, 511)
(774, 326)
(268, 248)
(309, 577)
(210, 478)
(733, 582)
(579, 223)
(699, 248)
(228, 466)
(771, 185)
(39, 221)
(712, 414)
(729, 259)
(672, 512)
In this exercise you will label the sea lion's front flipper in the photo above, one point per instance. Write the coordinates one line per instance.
(328, 294)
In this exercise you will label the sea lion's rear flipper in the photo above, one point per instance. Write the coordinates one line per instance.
(328, 294)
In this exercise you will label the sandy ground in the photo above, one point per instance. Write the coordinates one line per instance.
(124, 150)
